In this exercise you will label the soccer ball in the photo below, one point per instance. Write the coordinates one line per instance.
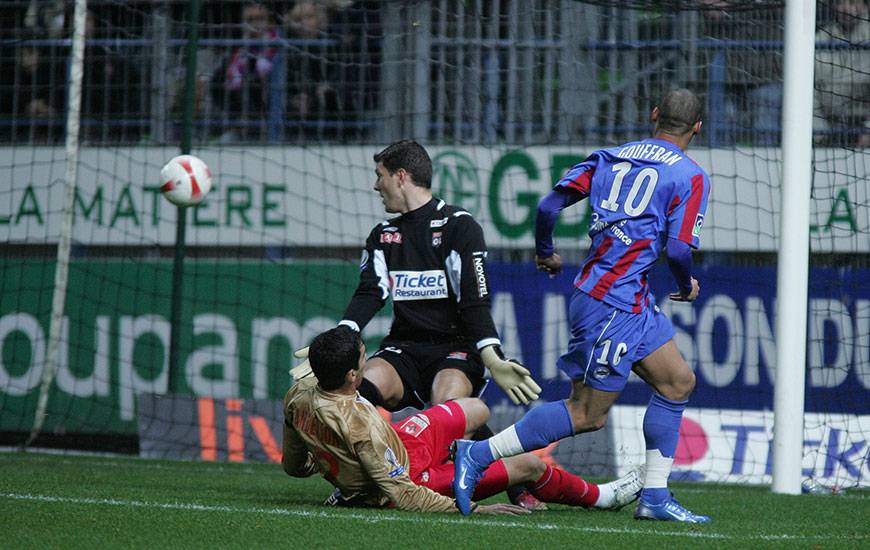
(186, 180)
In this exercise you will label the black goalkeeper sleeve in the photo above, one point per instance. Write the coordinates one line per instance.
(373, 289)
(474, 296)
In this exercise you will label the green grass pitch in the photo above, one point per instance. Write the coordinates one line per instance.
(63, 501)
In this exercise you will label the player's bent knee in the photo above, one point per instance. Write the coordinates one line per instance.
(682, 386)
(597, 423)
(524, 468)
(584, 423)
(450, 384)
(585, 420)
(689, 383)
(388, 382)
(536, 467)
(475, 410)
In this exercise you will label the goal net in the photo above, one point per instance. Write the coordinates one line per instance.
(290, 102)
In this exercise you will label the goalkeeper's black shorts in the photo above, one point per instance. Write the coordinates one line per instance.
(417, 364)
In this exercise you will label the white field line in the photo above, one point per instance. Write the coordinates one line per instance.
(111, 460)
(400, 517)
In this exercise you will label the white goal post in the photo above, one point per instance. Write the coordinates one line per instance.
(794, 245)
(73, 123)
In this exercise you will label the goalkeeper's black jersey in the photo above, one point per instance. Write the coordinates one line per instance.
(432, 262)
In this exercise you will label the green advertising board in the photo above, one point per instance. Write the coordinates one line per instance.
(241, 322)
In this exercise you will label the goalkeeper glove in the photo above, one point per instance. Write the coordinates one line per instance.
(303, 369)
(513, 378)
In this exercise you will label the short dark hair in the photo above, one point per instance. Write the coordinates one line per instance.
(679, 111)
(411, 156)
(332, 354)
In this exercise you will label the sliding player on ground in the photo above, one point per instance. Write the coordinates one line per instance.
(329, 428)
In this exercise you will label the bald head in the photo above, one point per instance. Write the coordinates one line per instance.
(678, 112)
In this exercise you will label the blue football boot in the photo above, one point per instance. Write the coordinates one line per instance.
(669, 510)
(466, 474)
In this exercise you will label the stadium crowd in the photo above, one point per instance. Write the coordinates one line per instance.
(311, 71)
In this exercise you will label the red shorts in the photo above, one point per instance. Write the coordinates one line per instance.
(427, 437)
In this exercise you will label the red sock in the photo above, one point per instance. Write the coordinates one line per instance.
(559, 486)
(494, 481)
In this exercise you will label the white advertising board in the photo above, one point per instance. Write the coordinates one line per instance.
(323, 196)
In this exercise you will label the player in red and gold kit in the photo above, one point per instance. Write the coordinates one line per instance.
(329, 428)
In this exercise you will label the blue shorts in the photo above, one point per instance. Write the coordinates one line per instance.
(607, 341)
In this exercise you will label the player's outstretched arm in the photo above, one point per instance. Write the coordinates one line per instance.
(501, 509)
(513, 378)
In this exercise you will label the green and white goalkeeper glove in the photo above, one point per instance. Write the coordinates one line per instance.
(513, 378)
(303, 369)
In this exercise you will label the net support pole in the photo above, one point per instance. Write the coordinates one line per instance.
(176, 311)
(793, 248)
(61, 273)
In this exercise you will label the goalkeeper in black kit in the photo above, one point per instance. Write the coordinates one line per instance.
(431, 260)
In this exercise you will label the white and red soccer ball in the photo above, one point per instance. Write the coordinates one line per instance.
(186, 180)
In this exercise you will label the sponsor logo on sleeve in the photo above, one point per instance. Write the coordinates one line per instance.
(699, 222)
(395, 469)
(480, 275)
(418, 285)
(391, 238)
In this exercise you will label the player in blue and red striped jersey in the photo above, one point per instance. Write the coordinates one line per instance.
(646, 196)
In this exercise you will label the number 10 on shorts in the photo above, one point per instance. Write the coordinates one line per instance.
(618, 352)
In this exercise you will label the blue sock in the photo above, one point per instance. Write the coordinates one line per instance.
(661, 431)
(538, 428)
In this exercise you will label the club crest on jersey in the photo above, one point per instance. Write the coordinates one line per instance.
(600, 372)
(391, 238)
(418, 285)
(395, 469)
(436, 238)
(699, 222)
(415, 425)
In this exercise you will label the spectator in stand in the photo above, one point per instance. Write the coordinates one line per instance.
(312, 97)
(203, 106)
(113, 106)
(48, 18)
(842, 76)
(753, 76)
(31, 96)
(240, 86)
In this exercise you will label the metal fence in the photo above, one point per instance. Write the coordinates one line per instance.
(460, 71)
